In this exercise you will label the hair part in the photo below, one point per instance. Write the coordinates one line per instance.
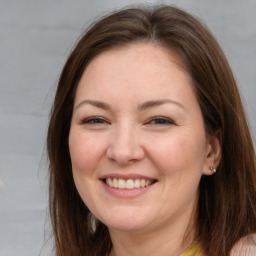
(227, 200)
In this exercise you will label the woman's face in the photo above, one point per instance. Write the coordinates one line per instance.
(137, 141)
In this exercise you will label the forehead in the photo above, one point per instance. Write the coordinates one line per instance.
(147, 53)
(138, 63)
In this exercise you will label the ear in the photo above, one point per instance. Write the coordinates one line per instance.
(213, 153)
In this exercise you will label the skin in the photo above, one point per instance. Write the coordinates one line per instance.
(166, 142)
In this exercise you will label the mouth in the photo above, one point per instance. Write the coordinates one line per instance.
(128, 184)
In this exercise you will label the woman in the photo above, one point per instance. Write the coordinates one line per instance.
(149, 148)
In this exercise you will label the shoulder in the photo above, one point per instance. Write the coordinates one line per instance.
(245, 246)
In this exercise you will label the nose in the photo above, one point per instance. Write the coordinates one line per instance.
(124, 147)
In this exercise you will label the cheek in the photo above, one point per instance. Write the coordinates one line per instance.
(84, 152)
(178, 154)
(85, 157)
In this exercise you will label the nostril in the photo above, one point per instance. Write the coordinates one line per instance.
(125, 150)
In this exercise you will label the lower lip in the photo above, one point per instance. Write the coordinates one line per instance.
(126, 193)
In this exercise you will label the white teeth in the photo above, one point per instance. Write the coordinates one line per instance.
(137, 183)
(128, 184)
(142, 183)
(109, 182)
(121, 183)
(115, 183)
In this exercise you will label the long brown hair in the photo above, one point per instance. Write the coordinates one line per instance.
(227, 200)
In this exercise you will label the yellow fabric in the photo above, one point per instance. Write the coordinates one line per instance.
(194, 250)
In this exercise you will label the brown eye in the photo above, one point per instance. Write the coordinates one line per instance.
(160, 121)
(94, 120)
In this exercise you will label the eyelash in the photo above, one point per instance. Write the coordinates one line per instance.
(158, 120)
(162, 121)
(94, 120)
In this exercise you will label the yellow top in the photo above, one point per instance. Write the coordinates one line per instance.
(194, 250)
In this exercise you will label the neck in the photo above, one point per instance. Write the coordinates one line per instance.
(170, 239)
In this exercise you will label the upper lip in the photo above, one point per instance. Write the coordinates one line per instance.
(125, 176)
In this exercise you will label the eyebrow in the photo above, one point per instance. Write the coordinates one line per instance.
(141, 107)
(156, 103)
(94, 103)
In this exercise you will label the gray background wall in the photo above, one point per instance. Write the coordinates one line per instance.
(35, 39)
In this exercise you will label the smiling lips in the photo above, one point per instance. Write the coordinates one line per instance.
(128, 184)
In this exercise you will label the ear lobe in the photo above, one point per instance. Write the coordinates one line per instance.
(213, 153)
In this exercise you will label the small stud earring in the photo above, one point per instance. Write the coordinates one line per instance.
(212, 169)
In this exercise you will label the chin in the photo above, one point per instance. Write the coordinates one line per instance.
(127, 222)
(127, 226)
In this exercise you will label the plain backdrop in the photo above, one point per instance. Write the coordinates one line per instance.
(35, 40)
